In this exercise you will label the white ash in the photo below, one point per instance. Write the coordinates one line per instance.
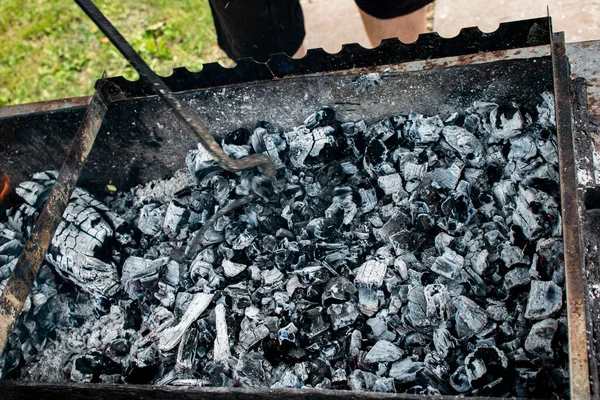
(416, 254)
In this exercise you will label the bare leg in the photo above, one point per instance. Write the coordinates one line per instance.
(406, 27)
(301, 52)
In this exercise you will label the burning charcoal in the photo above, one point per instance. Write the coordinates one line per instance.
(264, 142)
(231, 269)
(439, 305)
(531, 223)
(171, 336)
(35, 191)
(470, 318)
(539, 340)
(406, 370)
(369, 279)
(466, 144)
(342, 200)
(390, 184)
(252, 370)
(447, 177)
(423, 130)
(437, 365)
(545, 298)
(449, 264)
(383, 351)
(288, 333)
(151, 219)
(140, 273)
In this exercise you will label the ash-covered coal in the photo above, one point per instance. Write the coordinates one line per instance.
(418, 254)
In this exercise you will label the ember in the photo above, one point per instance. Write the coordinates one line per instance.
(4, 188)
(418, 254)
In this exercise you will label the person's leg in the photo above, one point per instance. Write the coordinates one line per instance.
(383, 19)
(258, 28)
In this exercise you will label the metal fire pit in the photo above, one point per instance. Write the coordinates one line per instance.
(140, 140)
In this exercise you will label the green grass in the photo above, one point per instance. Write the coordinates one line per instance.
(49, 49)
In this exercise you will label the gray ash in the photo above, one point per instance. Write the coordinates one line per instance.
(415, 254)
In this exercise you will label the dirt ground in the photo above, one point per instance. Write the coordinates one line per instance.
(330, 23)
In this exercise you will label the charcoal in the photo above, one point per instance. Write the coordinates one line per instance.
(470, 318)
(385, 385)
(369, 279)
(466, 144)
(444, 342)
(337, 289)
(406, 370)
(545, 299)
(506, 124)
(459, 380)
(450, 229)
(231, 269)
(539, 340)
(252, 370)
(152, 217)
(449, 264)
(383, 351)
(175, 216)
(484, 365)
(422, 130)
(390, 184)
(517, 277)
(139, 273)
(171, 336)
(361, 380)
(439, 304)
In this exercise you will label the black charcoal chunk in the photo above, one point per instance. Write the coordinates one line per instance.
(369, 279)
(470, 318)
(449, 264)
(545, 299)
(152, 217)
(539, 340)
(466, 144)
(422, 130)
(383, 351)
(252, 370)
(406, 370)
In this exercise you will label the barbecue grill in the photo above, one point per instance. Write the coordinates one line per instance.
(140, 140)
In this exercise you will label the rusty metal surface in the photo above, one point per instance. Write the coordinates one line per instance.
(41, 391)
(44, 106)
(576, 313)
(32, 256)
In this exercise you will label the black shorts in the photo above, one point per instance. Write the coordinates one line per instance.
(259, 28)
